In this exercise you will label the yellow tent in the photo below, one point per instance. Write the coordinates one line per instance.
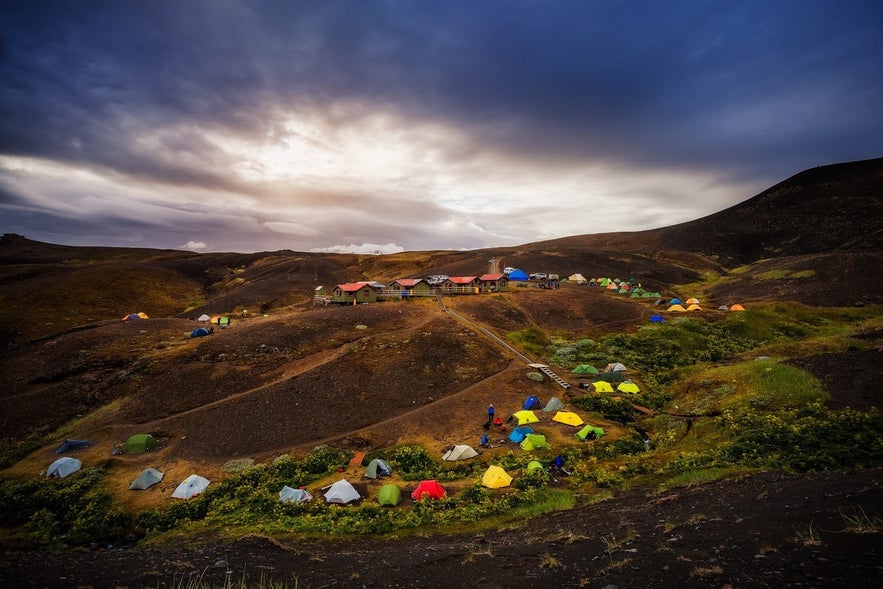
(737, 307)
(628, 387)
(495, 477)
(693, 301)
(694, 307)
(525, 416)
(568, 417)
(677, 308)
(602, 387)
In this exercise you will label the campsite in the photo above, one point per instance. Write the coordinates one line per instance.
(707, 447)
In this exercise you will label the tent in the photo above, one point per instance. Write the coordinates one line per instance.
(628, 387)
(289, 495)
(610, 376)
(723, 308)
(524, 417)
(203, 318)
(535, 465)
(191, 487)
(428, 490)
(568, 417)
(378, 468)
(590, 432)
(578, 278)
(63, 467)
(135, 316)
(657, 318)
(199, 332)
(68, 445)
(389, 494)
(534, 442)
(613, 287)
(147, 478)
(341, 492)
(675, 302)
(585, 369)
(139, 443)
(460, 452)
(602, 386)
(495, 478)
(693, 301)
(737, 307)
(532, 402)
(615, 367)
(519, 433)
(677, 308)
(554, 404)
(518, 275)
(694, 307)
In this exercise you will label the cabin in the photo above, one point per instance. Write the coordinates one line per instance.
(460, 285)
(321, 296)
(410, 287)
(354, 293)
(493, 283)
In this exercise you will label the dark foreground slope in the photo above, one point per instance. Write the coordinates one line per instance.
(765, 530)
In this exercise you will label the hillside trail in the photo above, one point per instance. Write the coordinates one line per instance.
(295, 368)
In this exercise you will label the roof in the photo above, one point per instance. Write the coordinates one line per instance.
(490, 277)
(407, 281)
(354, 286)
(462, 279)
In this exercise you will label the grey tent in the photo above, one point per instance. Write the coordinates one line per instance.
(147, 478)
(290, 495)
(63, 467)
(341, 492)
(554, 404)
(377, 468)
(460, 452)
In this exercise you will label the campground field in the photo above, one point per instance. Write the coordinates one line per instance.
(750, 456)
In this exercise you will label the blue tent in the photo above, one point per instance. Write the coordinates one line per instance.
(518, 275)
(656, 318)
(199, 332)
(68, 445)
(532, 402)
(675, 302)
(519, 433)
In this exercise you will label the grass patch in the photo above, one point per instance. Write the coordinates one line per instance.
(859, 521)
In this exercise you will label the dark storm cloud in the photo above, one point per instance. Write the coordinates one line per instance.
(740, 94)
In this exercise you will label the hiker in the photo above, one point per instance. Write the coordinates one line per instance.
(484, 441)
(557, 466)
(498, 422)
(490, 414)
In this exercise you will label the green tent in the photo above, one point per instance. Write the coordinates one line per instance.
(534, 442)
(377, 468)
(585, 369)
(139, 443)
(535, 465)
(584, 433)
(389, 494)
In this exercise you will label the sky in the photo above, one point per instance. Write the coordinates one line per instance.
(385, 126)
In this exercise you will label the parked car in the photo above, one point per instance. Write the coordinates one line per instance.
(538, 276)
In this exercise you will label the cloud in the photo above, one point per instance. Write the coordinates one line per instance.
(365, 248)
(195, 246)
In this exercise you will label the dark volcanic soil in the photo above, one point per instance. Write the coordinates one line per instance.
(766, 530)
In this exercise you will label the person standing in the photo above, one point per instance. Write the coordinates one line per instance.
(490, 413)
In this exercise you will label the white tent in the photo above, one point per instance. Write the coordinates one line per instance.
(63, 467)
(460, 452)
(577, 278)
(341, 492)
(615, 367)
(204, 318)
(554, 404)
(289, 495)
(191, 487)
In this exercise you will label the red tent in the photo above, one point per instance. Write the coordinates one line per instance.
(428, 489)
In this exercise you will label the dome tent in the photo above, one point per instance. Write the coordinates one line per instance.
(145, 480)
(63, 467)
(341, 492)
(191, 487)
